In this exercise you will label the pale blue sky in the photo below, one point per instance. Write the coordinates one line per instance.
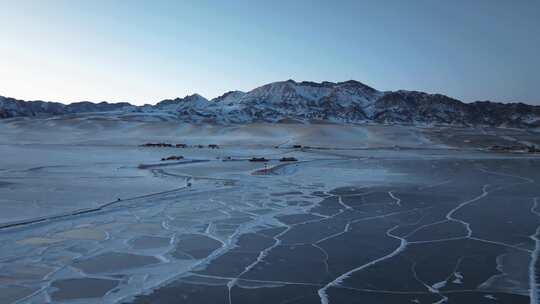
(145, 51)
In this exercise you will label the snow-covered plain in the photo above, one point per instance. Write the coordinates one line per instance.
(386, 214)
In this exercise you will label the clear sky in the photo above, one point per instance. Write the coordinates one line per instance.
(145, 51)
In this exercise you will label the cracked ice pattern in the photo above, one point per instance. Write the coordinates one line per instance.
(364, 231)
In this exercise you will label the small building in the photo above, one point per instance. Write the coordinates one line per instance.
(258, 159)
(173, 157)
(288, 159)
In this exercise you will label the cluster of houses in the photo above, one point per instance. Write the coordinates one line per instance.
(181, 146)
(515, 148)
(213, 146)
(533, 149)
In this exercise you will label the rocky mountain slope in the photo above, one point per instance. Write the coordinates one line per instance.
(341, 102)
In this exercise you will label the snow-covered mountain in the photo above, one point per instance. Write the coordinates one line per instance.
(341, 102)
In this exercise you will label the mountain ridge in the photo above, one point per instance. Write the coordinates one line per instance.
(339, 102)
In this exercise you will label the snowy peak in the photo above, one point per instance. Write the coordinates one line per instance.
(283, 92)
(178, 104)
(230, 96)
(291, 93)
(340, 102)
(194, 98)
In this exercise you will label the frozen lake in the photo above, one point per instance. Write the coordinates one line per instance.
(365, 218)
